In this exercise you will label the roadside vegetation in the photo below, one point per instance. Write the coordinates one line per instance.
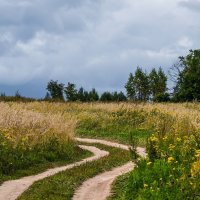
(31, 142)
(172, 169)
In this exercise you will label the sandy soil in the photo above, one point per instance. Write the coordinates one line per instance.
(10, 190)
(99, 187)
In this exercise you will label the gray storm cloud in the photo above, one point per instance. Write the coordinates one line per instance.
(92, 43)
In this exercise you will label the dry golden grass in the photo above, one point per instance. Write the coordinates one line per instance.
(29, 123)
(181, 116)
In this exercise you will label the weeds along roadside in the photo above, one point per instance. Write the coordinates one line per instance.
(172, 170)
(29, 138)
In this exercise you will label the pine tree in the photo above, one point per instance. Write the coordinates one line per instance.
(162, 83)
(71, 92)
(115, 96)
(80, 95)
(121, 97)
(106, 97)
(86, 96)
(93, 95)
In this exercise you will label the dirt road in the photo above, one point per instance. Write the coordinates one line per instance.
(10, 190)
(97, 188)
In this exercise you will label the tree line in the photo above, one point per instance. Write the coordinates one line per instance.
(140, 86)
(59, 92)
(143, 86)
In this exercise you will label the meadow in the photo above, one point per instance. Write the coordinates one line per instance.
(31, 142)
(40, 132)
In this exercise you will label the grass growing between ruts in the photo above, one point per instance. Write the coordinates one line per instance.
(62, 185)
(78, 154)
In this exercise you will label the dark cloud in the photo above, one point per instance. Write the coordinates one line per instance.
(91, 43)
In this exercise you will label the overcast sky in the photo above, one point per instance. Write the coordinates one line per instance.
(93, 43)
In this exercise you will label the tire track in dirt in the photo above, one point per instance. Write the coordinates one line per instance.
(99, 187)
(11, 190)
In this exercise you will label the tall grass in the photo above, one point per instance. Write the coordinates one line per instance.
(172, 169)
(28, 137)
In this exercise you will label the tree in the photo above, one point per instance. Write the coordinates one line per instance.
(80, 95)
(188, 82)
(130, 88)
(162, 81)
(47, 97)
(71, 92)
(86, 96)
(158, 84)
(153, 82)
(18, 95)
(115, 96)
(106, 97)
(161, 97)
(141, 81)
(56, 90)
(93, 95)
(121, 97)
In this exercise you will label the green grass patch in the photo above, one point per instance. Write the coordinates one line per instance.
(115, 126)
(45, 164)
(119, 187)
(171, 171)
(122, 137)
(62, 185)
(155, 181)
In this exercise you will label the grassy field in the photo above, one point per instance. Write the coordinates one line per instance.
(170, 132)
(31, 142)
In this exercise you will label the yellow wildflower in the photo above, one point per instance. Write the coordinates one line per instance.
(195, 168)
(171, 147)
(197, 155)
(170, 159)
(146, 185)
(165, 138)
(153, 138)
(149, 163)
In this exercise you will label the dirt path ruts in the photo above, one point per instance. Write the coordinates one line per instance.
(10, 190)
(99, 187)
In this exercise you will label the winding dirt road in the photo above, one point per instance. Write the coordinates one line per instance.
(97, 188)
(10, 190)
